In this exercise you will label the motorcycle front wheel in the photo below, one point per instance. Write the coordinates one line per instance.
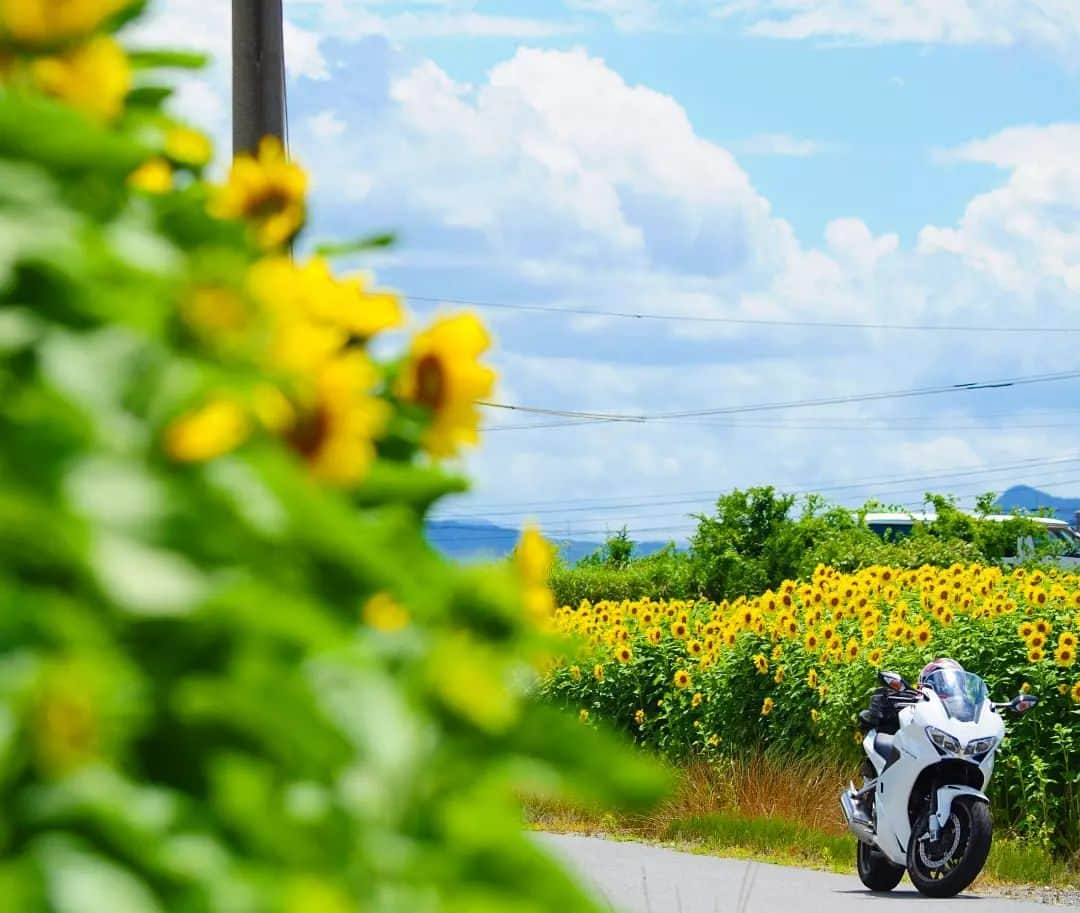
(944, 867)
(875, 871)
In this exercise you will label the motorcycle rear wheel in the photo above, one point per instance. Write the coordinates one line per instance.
(875, 871)
(945, 867)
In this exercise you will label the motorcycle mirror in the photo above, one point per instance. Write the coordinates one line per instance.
(1022, 703)
(893, 681)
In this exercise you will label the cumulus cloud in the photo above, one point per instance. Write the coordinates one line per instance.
(554, 181)
(1024, 233)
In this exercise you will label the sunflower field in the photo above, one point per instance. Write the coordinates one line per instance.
(789, 670)
(234, 676)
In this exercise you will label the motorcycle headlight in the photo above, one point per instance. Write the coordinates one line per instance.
(979, 747)
(942, 741)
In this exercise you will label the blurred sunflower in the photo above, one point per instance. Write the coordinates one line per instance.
(443, 374)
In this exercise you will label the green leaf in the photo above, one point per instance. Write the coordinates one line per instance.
(149, 96)
(344, 248)
(39, 130)
(419, 487)
(161, 58)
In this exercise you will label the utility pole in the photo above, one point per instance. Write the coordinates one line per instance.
(258, 70)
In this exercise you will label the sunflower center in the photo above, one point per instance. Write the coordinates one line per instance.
(430, 382)
(269, 203)
(309, 433)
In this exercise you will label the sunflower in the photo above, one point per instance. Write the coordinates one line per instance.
(815, 715)
(779, 677)
(533, 557)
(639, 717)
(851, 651)
(1025, 630)
(443, 375)
(575, 673)
(812, 678)
(696, 700)
(335, 428)
(682, 679)
(761, 664)
(694, 648)
(214, 429)
(624, 654)
(1065, 656)
(1044, 627)
(1075, 693)
(811, 641)
(1067, 639)
(1036, 655)
(598, 672)
(923, 635)
(874, 657)
(268, 192)
(93, 78)
(767, 706)
(583, 715)
(44, 22)
(1036, 641)
(654, 635)
(189, 147)
(153, 176)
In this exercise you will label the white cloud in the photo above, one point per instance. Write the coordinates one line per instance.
(1045, 23)
(1024, 233)
(303, 56)
(554, 181)
(626, 15)
(555, 158)
(326, 125)
(434, 19)
(780, 144)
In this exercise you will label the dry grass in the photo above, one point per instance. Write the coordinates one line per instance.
(798, 791)
(776, 809)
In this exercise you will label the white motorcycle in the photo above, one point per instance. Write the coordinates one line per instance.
(922, 808)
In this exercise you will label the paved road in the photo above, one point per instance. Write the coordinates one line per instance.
(636, 878)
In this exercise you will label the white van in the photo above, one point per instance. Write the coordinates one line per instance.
(897, 525)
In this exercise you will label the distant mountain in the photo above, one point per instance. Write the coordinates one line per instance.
(478, 540)
(1024, 497)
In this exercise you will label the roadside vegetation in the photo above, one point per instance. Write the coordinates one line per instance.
(776, 809)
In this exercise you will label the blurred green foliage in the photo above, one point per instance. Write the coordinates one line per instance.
(225, 686)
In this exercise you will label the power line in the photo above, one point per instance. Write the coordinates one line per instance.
(802, 489)
(681, 523)
(792, 404)
(744, 321)
(852, 425)
(865, 481)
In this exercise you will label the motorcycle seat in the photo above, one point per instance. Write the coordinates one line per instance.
(883, 745)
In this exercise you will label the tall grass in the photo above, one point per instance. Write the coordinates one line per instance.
(781, 809)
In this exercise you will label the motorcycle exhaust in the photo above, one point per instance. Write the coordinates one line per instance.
(857, 822)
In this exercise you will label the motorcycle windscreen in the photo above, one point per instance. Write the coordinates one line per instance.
(962, 693)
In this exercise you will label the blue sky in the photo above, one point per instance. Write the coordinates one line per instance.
(866, 161)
